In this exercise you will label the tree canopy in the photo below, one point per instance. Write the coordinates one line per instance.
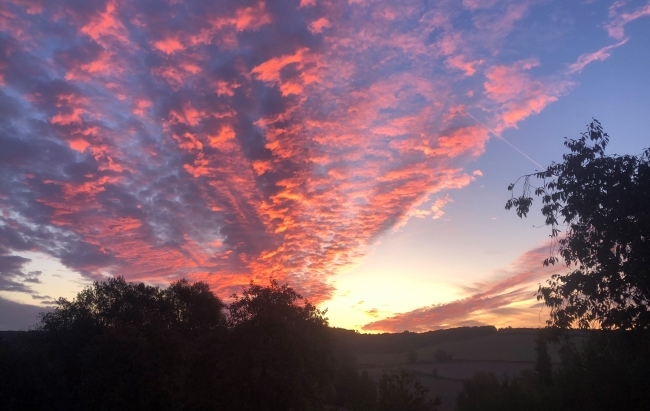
(132, 346)
(283, 344)
(117, 304)
(603, 203)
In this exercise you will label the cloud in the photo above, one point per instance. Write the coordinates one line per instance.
(512, 286)
(18, 317)
(588, 58)
(224, 141)
(11, 273)
(436, 208)
(520, 95)
(619, 19)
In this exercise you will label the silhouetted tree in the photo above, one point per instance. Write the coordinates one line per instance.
(400, 390)
(487, 392)
(120, 345)
(604, 200)
(117, 305)
(355, 391)
(282, 348)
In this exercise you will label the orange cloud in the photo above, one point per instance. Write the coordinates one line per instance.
(518, 286)
(463, 140)
(252, 18)
(169, 45)
(318, 25)
(106, 26)
(270, 70)
(222, 143)
(520, 95)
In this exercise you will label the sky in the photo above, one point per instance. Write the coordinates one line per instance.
(358, 150)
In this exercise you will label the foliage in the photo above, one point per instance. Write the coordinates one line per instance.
(543, 365)
(610, 373)
(355, 391)
(282, 347)
(117, 305)
(128, 346)
(400, 390)
(486, 392)
(603, 201)
(119, 345)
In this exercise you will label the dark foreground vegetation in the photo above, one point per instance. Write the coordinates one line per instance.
(610, 372)
(602, 203)
(124, 346)
(127, 346)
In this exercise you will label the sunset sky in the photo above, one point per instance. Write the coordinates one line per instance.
(358, 150)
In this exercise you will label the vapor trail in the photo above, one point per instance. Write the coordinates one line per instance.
(497, 135)
(506, 141)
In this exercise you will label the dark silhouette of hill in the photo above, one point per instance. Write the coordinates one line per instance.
(406, 341)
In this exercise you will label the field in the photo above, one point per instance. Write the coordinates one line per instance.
(502, 353)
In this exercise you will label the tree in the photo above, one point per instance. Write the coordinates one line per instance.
(282, 348)
(604, 203)
(400, 390)
(485, 391)
(117, 305)
(120, 345)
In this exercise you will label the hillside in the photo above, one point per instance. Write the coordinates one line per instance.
(506, 351)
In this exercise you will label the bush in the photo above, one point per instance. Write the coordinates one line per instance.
(400, 390)
(610, 373)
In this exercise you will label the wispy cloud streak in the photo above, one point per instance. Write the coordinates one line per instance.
(517, 284)
(599, 55)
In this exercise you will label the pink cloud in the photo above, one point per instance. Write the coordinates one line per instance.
(498, 25)
(458, 62)
(106, 26)
(318, 25)
(216, 141)
(169, 45)
(519, 286)
(305, 3)
(436, 208)
(616, 27)
(252, 18)
(478, 4)
(588, 58)
(518, 93)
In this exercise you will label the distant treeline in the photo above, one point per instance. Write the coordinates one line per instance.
(407, 341)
